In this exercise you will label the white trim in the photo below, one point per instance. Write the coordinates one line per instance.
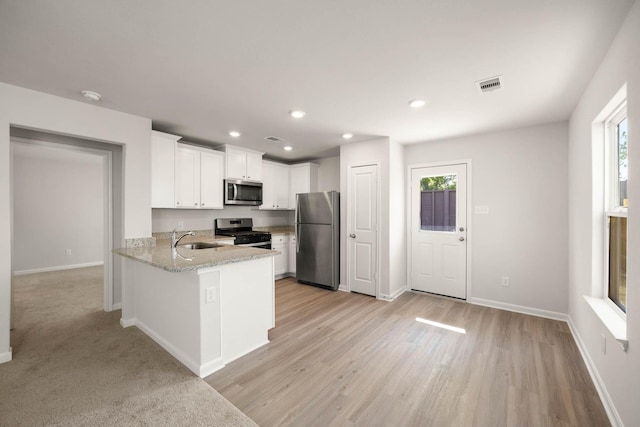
(170, 348)
(127, 323)
(605, 398)
(393, 296)
(117, 306)
(519, 309)
(58, 268)
(469, 216)
(107, 166)
(611, 318)
(378, 256)
(211, 367)
(6, 356)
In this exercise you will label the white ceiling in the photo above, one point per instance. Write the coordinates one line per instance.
(202, 68)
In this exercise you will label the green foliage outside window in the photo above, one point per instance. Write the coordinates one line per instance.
(432, 183)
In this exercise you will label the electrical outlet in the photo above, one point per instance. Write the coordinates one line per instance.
(505, 281)
(210, 295)
(67, 252)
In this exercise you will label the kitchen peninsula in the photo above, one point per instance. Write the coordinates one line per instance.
(206, 307)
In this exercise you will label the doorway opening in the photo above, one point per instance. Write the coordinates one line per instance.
(107, 158)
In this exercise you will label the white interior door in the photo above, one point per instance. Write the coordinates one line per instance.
(362, 231)
(439, 230)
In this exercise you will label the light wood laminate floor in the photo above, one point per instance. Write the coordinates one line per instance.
(344, 359)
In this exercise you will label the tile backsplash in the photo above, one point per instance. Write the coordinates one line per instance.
(201, 219)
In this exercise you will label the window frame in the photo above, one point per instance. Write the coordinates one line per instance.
(612, 207)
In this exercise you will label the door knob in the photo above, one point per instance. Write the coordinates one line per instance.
(461, 239)
(353, 236)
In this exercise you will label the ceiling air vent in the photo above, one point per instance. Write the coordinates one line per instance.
(488, 85)
(273, 139)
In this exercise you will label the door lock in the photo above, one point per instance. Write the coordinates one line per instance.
(461, 239)
(353, 236)
(461, 228)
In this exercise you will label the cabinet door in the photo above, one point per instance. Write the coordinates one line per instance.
(281, 261)
(268, 186)
(163, 157)
(187, 178)
(281, 189)
(211, 179)
(236, 164)
(299, 183)
(303, 179)
(254, 166)
(292, 255)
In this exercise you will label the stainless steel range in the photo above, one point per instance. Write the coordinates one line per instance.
(242, 230)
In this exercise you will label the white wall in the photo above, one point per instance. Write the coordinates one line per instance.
(617, 372)
(57, 205)
(390, 264)
(328, 173)
(521, 176)
(193, 219)
(35, 110)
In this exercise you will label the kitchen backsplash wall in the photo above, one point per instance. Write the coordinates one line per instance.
(194, 219)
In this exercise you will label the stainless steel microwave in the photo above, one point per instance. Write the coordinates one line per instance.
(239, 192)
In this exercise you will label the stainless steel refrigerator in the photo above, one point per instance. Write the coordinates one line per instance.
(318, 239)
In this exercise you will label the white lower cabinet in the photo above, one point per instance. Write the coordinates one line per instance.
(281, 261)
(292, 255)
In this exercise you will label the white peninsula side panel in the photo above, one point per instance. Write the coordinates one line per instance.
(204, 318)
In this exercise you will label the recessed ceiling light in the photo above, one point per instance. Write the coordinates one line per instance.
(234, 133)
(90, 95)
(347, 135)
(297, 114)
(287, 148)
(417, 103)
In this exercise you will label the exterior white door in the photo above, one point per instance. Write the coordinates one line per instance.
(362, 242)
(438, 230)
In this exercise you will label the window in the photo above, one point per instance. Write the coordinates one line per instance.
(616, 202)
(438, 203)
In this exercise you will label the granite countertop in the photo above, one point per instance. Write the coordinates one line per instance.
(277, 229)
(183, 259)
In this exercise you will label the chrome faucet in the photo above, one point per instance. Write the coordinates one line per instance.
(174, 241)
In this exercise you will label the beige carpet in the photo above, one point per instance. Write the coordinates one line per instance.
(74, 365)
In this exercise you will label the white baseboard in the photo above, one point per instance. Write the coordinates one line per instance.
(59, 268)
(519, 309)
(6, 356)
(170, 348)
(211, 367)
(116, 306)
(605, 398)
(393, 296)
(127, 323)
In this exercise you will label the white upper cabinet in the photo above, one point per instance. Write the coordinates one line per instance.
(211, 179)
(187, 177)
(242, 163)
(275, 186)
(163, 153)
(303, 178)
(199, 178)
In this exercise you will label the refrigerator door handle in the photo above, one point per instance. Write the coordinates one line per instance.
(297, 238)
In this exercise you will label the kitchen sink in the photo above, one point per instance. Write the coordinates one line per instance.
(201, 245)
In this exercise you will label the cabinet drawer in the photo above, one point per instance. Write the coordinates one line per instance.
(279, 239)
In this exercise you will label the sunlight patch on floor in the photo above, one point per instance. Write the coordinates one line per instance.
(441, 325)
